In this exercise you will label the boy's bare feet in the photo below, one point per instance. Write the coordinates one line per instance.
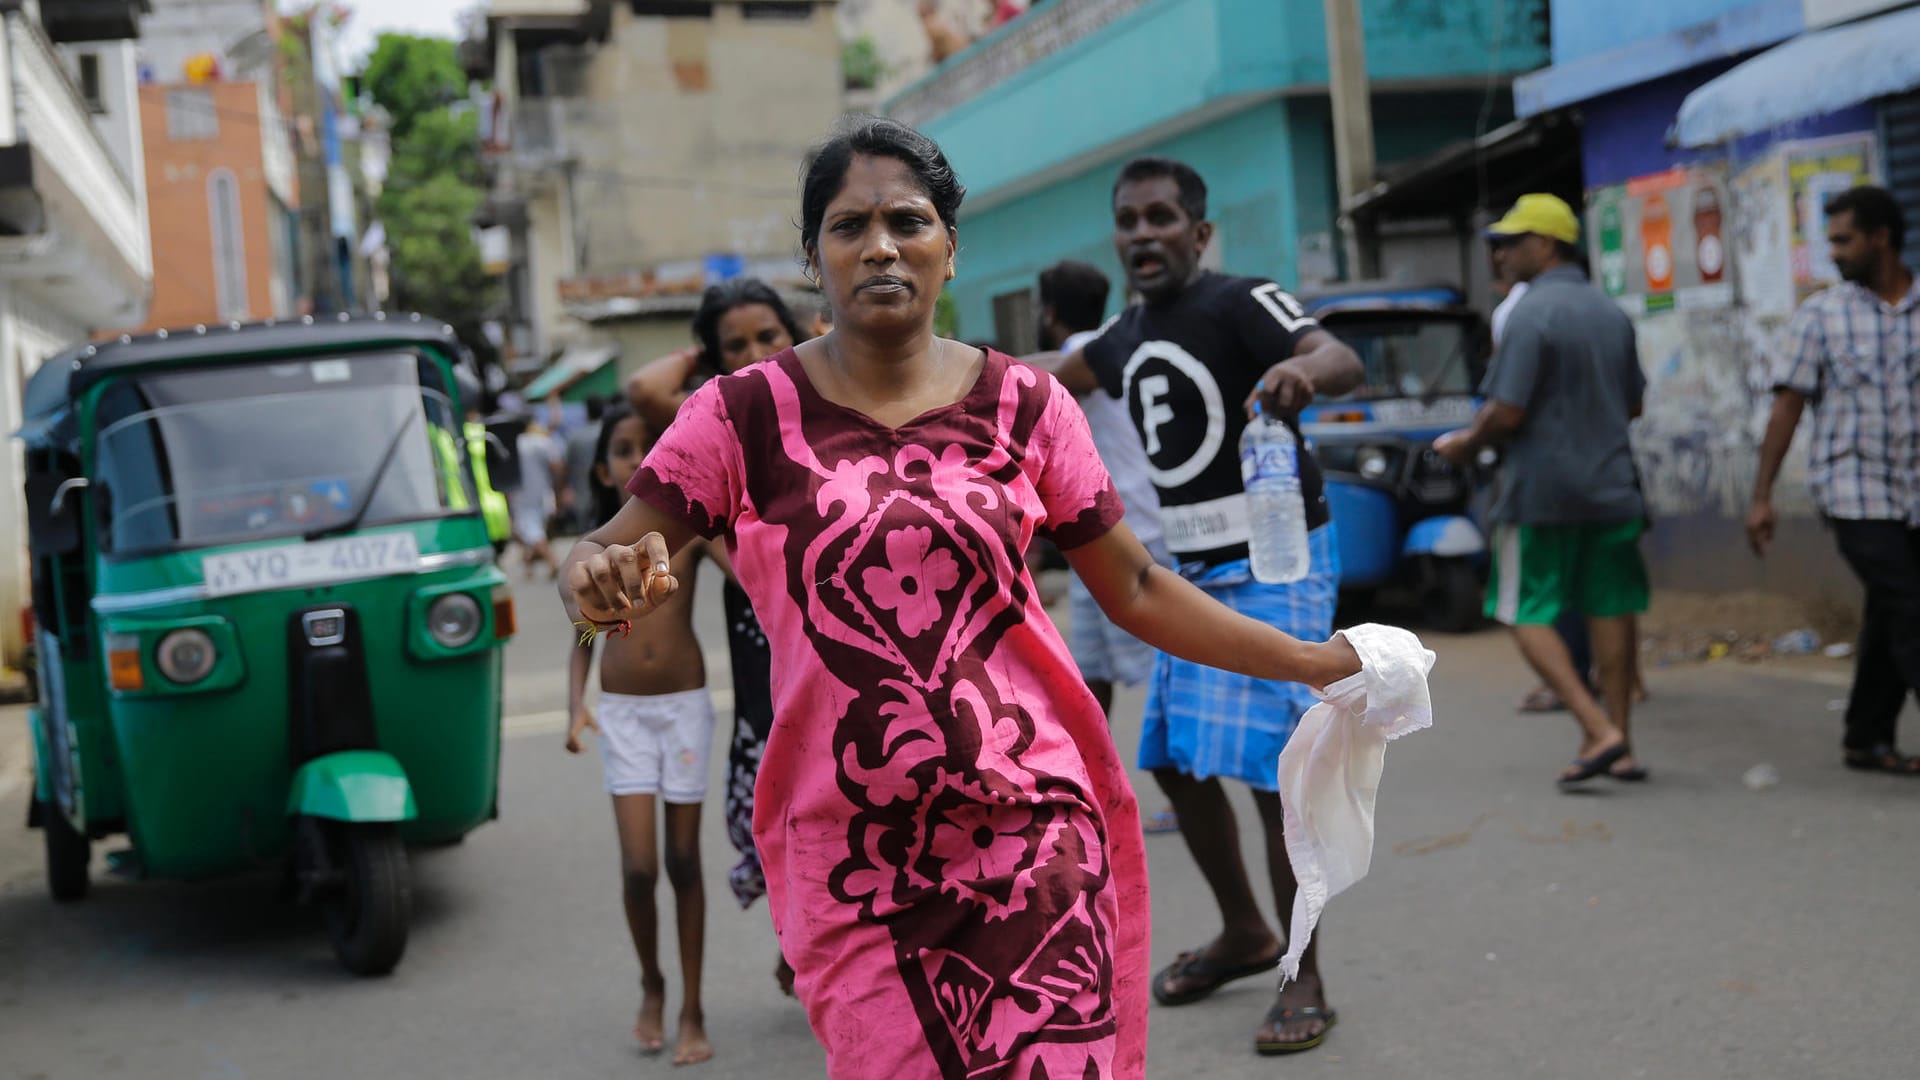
(693, 1047)
(650, 1028)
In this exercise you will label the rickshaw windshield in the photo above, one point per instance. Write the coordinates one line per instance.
(1407, 356)
(230, 454)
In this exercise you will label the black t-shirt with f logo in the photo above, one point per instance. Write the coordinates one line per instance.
(1184, 369)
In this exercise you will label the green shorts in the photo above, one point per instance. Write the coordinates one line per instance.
(1540, 572)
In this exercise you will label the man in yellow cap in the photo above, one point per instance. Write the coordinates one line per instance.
(1567, 513)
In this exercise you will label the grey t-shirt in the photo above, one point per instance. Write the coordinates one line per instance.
(1568, 358)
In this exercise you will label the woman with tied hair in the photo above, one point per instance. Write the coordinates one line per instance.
(953, 854)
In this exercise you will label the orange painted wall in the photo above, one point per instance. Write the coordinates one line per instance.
(177, 206)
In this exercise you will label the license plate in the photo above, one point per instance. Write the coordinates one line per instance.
(321, 562)
(1413, 411)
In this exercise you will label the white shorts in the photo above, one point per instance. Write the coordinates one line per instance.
(657, 744)
(530, 525)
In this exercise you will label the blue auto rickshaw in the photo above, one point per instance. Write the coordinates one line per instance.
(1405, 513)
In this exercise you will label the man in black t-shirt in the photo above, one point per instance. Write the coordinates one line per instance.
(1189, 363)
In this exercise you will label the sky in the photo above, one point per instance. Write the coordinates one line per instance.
(439, 18)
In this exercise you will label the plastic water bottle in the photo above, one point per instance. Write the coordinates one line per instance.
(1276, 512)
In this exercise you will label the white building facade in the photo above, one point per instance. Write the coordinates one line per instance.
(74, 249)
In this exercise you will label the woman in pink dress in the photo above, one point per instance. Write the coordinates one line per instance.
(953, 855)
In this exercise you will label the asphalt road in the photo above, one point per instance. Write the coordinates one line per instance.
(1688, 928)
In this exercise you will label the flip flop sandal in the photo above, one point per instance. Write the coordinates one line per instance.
(1638, 774)
(1541, 700)
(1882, 759)
(1586, 769)
(1279, 1015)
(1162, 822)
(1195, 965)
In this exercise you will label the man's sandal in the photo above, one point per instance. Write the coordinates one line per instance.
(1884, 759)
(1212, 975)
(1280, 1015)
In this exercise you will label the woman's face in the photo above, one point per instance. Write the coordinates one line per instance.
(626, 447)
(883, 251)
(749, 334)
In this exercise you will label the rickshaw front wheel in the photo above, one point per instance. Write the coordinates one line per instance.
(68, 854)
(367, 914)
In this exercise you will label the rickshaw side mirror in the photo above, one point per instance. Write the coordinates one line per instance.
(53, 526)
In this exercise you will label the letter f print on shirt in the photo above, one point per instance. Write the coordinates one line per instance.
(1164, 386)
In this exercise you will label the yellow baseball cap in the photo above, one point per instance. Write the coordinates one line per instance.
(1547, 215)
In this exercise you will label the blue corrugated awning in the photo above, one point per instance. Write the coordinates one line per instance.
(1750, 27)
(1813, 74)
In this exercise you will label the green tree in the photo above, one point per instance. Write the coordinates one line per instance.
(436, 265)
(435, 184)
(438, 143)
(411, 77)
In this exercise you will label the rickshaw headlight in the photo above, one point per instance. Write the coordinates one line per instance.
(454, 620)
(1371, 462)
(186, 657)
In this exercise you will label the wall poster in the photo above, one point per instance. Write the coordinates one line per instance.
(1661, 242)
(1817, 170)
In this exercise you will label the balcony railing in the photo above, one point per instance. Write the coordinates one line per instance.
(48, 115)
(1036, 35)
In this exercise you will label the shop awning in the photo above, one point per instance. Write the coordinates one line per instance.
(1538, 153)
(1813, 74)
(575, 363)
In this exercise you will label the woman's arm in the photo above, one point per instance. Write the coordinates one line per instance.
(621, 569)
(1175, 616)
(657, 391)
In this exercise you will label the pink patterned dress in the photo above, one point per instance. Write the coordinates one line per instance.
(949, 837)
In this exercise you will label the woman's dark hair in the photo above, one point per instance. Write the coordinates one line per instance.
(825, 171)
(724, 297)
(607, 499)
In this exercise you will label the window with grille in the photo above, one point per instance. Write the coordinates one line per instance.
(89, 65)
(229, 245)
(190, 115)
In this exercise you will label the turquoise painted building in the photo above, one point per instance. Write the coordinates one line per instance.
(1037, 119)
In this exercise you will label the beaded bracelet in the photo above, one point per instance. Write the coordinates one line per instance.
(590, 629)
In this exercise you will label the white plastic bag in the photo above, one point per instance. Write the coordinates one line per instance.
(1330, 770)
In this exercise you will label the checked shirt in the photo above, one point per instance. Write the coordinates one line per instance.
(1857, 360)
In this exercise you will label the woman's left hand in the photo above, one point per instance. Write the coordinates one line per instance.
(1329, 662)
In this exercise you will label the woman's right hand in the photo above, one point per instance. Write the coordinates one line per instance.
(622, 582)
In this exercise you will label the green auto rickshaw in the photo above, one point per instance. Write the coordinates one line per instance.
(269, 624)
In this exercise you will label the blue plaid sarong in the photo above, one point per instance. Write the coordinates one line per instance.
(1206, 722)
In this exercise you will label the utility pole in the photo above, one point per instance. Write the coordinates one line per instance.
(1352, 127)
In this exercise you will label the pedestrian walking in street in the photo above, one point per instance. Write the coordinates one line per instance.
(579, 462)
(1853, 353)
(738, 324)
(953, 855)
(1073, 297)
(542, 473)
(1178, 363)
(655, 723)
(1567, 512)
(1572, 626)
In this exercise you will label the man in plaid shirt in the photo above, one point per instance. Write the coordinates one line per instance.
(1854, 352)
